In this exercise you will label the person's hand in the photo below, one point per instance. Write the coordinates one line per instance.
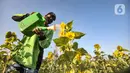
(38, 31)
(32, 13)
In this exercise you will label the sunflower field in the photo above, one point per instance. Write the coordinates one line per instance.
(72, 58)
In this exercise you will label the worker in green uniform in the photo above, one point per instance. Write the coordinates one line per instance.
(29, 58)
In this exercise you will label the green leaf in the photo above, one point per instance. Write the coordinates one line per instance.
(82, 51)
(62, 48)
(70, 55)
(3, 52)
(78, 35)
(66, 57)
(62, 59)
(62, 41)
(97, 53)
(110, 57)
(69, 25)
(126, 50)
(75, 45)
(3, 45)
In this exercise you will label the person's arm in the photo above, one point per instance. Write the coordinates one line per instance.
(42, 36)
(19, 17)
(47, 41)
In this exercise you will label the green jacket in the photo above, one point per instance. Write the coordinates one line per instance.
(28, 54)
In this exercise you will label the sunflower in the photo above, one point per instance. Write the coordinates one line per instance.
(10, 37)
(121, 53)
(119, 48)
(50, 56)
(70, 35)
(61, 34)
(62, 25)
(62, 28)
(8, 34)
(78, 57)
(116, 52)
(97, 46)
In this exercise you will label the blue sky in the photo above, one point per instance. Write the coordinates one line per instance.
(96, 18)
